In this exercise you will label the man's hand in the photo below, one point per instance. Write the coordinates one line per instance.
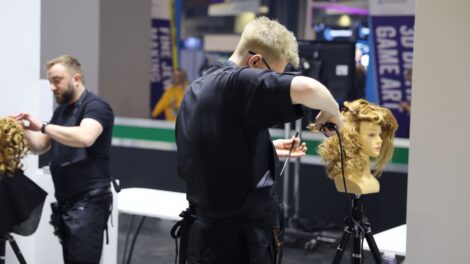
(38, 143)
(283, 147)
(325, 117)
(32, 123)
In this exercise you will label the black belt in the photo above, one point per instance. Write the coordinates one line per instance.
(231, 216)
(96, 192)
(86, 195)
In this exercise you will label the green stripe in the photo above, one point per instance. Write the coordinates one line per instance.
(144, 133)
(400, 155)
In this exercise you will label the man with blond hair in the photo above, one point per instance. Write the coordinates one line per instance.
(79, 139)
(225, 153)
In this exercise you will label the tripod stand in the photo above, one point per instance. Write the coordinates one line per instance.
(14, 246)
(360, 228)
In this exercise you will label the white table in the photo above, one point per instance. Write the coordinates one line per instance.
(392, 240)
(152, 203)
(149, 203)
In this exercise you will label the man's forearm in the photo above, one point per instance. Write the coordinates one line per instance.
(37, 142)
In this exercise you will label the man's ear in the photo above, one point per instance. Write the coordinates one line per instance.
(254, 60)
(77, 77)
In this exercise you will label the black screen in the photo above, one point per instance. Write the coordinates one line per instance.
(331, 63)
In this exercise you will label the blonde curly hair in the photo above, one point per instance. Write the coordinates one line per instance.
(13, 146)
(355, 161)
(272, 38)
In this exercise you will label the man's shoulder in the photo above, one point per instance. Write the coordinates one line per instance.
(97, 108)
(90, 96)
(224, 67)
(96, 100)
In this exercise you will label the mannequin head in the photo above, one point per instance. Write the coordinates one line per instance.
(13, 146)
(367, 134)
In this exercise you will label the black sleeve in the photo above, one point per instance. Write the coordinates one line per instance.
(100, 111)
(266, 98)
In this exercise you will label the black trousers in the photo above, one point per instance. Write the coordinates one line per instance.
(83, 223)
(230, 243)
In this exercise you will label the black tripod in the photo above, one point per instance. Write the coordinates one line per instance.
(357, 225)
(14, 246)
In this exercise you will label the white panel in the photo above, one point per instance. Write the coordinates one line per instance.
(439, 179)
(220, 43)
(392, 7)
(233, 8)
(19, 63)
(19, 76)
(161, 9)
(46, 98)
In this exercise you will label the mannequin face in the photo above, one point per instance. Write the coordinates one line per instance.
(369, 138)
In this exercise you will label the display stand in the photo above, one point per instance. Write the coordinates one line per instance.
(8, 237)
(357, 225)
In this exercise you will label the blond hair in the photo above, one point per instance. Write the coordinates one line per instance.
(270, 37)
(70, 63)
(13, 146)
(354, 159)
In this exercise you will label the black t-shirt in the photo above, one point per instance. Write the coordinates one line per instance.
(77, 170)
(224, 146)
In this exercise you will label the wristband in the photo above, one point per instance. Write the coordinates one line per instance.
(43, 127)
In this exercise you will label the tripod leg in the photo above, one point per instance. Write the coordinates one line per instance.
(357, 249)
(16, 249)
(372, 245)
(2, 250)
(342, 245)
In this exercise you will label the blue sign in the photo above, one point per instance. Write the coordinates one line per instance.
(393, 38)
(161, 60)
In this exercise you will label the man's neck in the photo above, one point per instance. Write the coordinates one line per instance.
(78, 93)
(236, 59)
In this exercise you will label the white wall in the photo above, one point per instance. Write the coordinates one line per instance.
(32, 32)
(438, 211)
(19, 60)
(19, 73)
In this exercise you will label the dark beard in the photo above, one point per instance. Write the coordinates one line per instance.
(67, 96)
